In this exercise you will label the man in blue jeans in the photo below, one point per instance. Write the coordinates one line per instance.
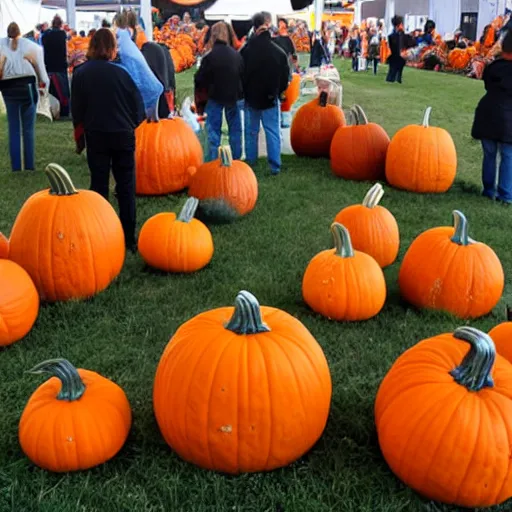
(266, 77)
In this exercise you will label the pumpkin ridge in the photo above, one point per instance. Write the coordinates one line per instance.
(93, 270)
(51, 244)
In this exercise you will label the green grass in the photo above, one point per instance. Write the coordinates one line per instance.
(122, 332)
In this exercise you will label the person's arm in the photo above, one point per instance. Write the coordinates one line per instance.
(202, 77)
(284, 78)
(36, 59)
(2, 65)
(78, 101)
(138, 111)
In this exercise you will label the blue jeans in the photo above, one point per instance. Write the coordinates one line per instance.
(21, 107)
(214, 113)
(490, 169)
(271, 120)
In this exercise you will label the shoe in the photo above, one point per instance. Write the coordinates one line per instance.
(275, 172)
(504, 202)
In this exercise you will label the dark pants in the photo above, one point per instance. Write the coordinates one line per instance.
(354, 63)
(116, 151)
(375, 65)
(59, 87)
(396, 69)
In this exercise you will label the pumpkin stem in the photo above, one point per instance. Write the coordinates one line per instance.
(72, 385)
(225, 156)
(374, 195)
(426, 117)
(247, 316)
(474, 372)
(322, 99)
(60, 181)
(509, 314)
(189, 210)
(342, 241)
(460, 223)
(359, 115)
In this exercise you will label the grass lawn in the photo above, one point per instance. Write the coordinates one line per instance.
(122, 332)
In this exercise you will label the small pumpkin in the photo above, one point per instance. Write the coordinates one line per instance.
(358, 152)
(176, 244)
(227, 189)
(4, 246)
(373, 228)
(446, 270)
(292, 93)
(343, 284)
(70, 241)
(166, 154)
(258, 389)
(422, 158)
(74, 421)
(502, 337)
(314, 126)
(444, 417)
(19, 303)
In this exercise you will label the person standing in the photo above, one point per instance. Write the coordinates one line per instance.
(108, 121)
(21, 70)
(220, 76)
(396, 45)
(56, 60)
(266, 77)
(320, 53)
(374, 50)
(493, 126)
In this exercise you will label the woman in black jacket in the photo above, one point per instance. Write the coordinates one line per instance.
(493, 125)
(107, 106)
(397, 43)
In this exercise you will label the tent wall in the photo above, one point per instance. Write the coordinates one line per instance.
(375, 9)
(24, 12)
(446, 15)
(414, 7)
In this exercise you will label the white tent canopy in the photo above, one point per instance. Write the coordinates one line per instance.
(244, 9)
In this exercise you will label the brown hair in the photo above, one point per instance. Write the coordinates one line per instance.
(220, 32)
(103, 45)
(57, 22)
(131, 19)
(13, 33)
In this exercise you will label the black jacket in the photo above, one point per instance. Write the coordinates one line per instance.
(266, 73)
(493, 116)
(396, 42)
(55, 51)
(104, 98)
(286, 44)
(221, 74)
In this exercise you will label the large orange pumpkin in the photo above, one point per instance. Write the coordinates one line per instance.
(422, 158)
(226, 188)
(176, 244)
(4, 246)
(445, 269)
(343, 284)
(373, 228)
(258, 389)
(358, 152)
(75, 420)
(166, 155)
(502, 337)
(19, 303)
(444, 419)
(314, 126)
(459, 58)
(70, 241)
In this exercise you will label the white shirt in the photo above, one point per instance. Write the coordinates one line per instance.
(15, 63)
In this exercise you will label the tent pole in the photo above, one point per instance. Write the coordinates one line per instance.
(71, 14)
(146, 15)
(319, 10)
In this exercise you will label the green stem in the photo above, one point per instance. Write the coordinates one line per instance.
(359, 115)
(342, 241)
(474, 372)
(460, 223)
(72, 385)
(426, 117)
(322, 100)
(60, 181)
(374, 196)
(189, 210)
(247, 316)
(225, 156)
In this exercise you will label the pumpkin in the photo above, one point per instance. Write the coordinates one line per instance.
(422, 158)
(226, 188)
(292, 93)
(358, 152)
(459, 58)
(176, 244)
(258, 389)
(373, 229)
(314, 126)
(444, 269)
(74, 421)
(19, 303)
(502, 337)
(343, 284)
(4, 246)
(70, 241)
(166, 154)
(444, 418)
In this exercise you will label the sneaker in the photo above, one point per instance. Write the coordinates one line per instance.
(275, 172)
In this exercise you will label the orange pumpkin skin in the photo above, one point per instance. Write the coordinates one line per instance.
(448, 439)
(314, 126)
(422, 159)
(19, 303)
(373, 228)
(291, 94)
(444, 269)
(4, 246)
(166, 154)
(70, 241)
(342, 284)
(255, 400)
(358, 152)
(502, 337)
(176, 244)
(227, 189)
